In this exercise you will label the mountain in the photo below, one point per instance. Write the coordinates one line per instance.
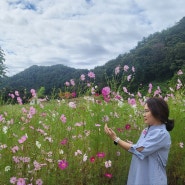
(35, 77)
(156, 58)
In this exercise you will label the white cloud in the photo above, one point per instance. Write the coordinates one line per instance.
(81, 33)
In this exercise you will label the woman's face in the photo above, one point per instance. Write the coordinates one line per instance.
(149, 119)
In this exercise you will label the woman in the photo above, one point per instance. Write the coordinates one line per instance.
(150, 153)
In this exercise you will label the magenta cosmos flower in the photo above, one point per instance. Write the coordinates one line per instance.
(92, 159)
(108, 175)
(63, 164)
(64, 141)
(105, 91)
(127, 126)
(100, 154)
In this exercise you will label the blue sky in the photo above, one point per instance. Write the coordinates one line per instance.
(78, 33)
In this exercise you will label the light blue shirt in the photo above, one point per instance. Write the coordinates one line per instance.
(148, 167)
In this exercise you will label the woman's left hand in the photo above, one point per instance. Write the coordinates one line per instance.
(110, 132)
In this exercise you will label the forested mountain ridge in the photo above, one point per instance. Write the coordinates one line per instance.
(48, 77)
(155, 58)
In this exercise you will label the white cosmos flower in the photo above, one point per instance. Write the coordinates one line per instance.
(5, 129)
(61, 152)
(85, 157)
(38, 144)
(7, 168)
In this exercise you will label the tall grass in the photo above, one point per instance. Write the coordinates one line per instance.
(35, 139)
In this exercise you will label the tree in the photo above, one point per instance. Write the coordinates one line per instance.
(2, 66)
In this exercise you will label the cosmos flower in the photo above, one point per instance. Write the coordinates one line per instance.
(92, 159)
(108, 175)
(108, 164)
(91, 74)
(63, 164)
(63, 118)
(23, 139)
(100, 154)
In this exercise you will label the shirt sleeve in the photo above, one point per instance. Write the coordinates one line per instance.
(154, 141)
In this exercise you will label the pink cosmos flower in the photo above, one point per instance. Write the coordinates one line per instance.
(179, 72)
(39, 182)
(139, 94)
(82, 77)
(79, 124)
(179, 84)
(17, 93)
(150, 88)
(22, 140)
(108, 175)
(16, 159)
(129, 77)
(32, 110)
(15, 149)
(64, 141)
(132, 101)
(21, 181)
(93, 91)
(117, 70)
(13, 180)
(125, 90)
(78, 152)
(63, 118)
(67, 84)
(63, 164)
(38, 165)
(72, 82)
(33, 92)
(72, 105)
(125, 68)
(11, 95)
(88, 84)
(133, 69)
(156, 92)
(19, 100)
(41, 131)
(91, 74)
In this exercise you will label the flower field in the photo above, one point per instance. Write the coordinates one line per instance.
(62, 141)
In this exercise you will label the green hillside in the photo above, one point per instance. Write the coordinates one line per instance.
(156, 59)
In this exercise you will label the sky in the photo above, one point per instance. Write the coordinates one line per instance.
(82, 34)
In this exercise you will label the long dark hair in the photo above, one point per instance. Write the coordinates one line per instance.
(160, 110)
